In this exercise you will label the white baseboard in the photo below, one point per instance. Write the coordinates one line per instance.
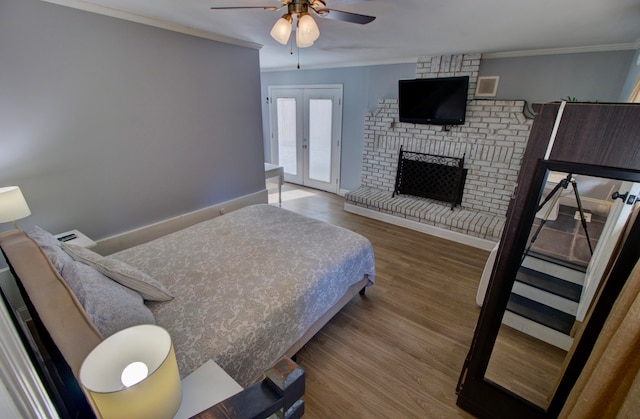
(424, 228)
(144, 234)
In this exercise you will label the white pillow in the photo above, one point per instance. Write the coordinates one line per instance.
(121, 272)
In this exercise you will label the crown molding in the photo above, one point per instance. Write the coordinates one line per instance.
(566, 50)
(158, 23)
(390, 61)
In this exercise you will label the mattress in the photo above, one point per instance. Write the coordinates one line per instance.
(248, 285)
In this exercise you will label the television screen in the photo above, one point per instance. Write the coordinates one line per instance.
(437, 101)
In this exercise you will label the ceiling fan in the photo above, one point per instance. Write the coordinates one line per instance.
(306, 29)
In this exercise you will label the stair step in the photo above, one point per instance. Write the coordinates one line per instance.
(554, 269)
(540, 313)
(549, 283)
(566, 263)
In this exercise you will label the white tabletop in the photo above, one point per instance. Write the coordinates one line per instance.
(205, 387)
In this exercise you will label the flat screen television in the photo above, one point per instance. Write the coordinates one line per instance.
(436, 101)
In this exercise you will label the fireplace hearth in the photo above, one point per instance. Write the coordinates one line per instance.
(430, 176)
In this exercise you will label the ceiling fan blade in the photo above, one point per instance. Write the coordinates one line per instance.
(344, 16)
(334, 3)
(246, 7)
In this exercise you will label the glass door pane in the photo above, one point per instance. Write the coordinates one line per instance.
(320, 128)
(287, 148)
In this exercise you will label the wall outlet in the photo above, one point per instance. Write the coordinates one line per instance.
(587, 216)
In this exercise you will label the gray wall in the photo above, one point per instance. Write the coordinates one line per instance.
(632, 77)
(598, 76)
(589, 77)
(109, 125)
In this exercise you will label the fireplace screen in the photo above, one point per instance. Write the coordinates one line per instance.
(431, 176)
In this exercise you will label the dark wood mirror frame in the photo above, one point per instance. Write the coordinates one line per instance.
(592, 139)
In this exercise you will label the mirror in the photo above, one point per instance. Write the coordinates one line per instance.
(572, 238)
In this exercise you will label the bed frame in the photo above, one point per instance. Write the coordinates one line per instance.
(60, 337)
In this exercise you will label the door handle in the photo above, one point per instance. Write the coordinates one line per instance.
(630, 199)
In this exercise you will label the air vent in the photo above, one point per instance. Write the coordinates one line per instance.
(487, 86)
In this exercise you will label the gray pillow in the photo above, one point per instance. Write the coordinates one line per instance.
(109, 305)
(121, 272)
(51, 247)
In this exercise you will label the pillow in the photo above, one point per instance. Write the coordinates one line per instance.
(51, 247)
(110, 306)
(121, 272)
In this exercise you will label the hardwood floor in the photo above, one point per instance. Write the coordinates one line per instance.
(398, 351)
(534, 366)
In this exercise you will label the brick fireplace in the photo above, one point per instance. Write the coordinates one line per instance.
(492, 139)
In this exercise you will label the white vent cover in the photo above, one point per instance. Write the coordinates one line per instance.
(487, 86)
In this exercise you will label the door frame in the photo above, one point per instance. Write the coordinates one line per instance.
(336, 159)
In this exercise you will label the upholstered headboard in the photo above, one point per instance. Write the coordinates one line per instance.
(60, 321)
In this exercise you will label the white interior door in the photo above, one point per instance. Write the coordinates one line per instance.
(306, 126)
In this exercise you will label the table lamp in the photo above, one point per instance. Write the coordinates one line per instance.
(12, 205)
(133, 374)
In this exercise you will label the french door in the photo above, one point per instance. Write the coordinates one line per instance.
(306, 126)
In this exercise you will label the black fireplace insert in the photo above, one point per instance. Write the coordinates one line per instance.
(431, 176)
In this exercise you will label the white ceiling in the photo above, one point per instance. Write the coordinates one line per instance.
(403, 29)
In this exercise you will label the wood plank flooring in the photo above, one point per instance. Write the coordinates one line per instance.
(398, 351)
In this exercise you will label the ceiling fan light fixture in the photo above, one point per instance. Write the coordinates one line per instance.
(282, 29)
(307, 31)
(301, 41)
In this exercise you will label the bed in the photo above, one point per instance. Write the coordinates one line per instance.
(244, 289)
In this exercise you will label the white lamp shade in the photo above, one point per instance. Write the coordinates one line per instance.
(307, 31)
(282, 30)
(157, 396)
(12, 204)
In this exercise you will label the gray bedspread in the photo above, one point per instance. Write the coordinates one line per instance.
(248, 284)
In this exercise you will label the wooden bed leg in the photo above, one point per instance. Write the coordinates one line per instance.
(362, 290)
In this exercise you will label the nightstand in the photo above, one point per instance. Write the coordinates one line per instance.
(205, 387)
(79, 240)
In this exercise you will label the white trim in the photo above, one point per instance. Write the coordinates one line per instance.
(149, 232)
(23, 392)
(558, 51)
(158, 23)
(424, 228)
(349, 64)
(556, 125)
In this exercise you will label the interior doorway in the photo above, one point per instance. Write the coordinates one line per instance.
(305, 132)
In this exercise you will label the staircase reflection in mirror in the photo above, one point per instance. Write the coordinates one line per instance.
(555, 285)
